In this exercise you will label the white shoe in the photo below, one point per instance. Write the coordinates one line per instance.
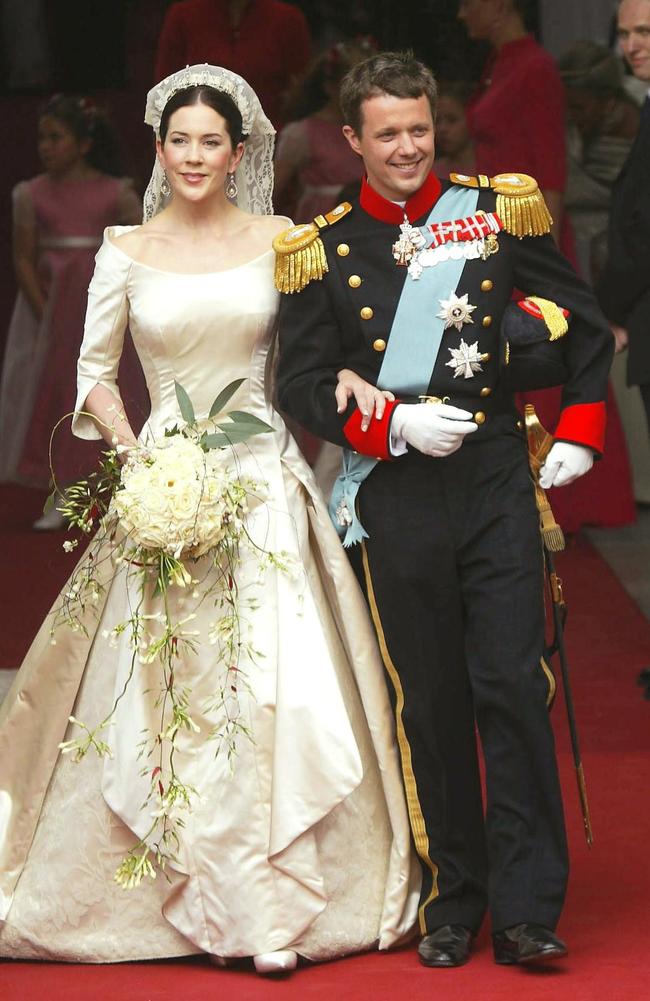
(283, 961)
(53, 521)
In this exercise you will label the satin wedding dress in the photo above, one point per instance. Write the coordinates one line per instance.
(304, 844)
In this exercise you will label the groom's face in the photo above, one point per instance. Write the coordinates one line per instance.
(396, 141)
(634, 36)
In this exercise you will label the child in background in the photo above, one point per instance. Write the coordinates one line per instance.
(59, 219)
(314, 160)
(454, 146)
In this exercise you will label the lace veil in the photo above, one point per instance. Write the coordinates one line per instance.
(254, 175)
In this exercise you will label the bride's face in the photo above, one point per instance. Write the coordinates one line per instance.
(197, 153)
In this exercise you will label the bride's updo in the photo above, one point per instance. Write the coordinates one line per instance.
(215, 99)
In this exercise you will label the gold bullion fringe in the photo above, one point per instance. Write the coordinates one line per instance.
(554, 318)
(524, 215)
(552, 534)
(294, 270)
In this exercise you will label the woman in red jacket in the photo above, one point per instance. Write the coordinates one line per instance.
(517, 120)
(265, 41)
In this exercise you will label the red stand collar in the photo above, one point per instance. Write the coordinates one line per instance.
(381, 208)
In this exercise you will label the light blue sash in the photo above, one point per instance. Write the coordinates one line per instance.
(410, 357)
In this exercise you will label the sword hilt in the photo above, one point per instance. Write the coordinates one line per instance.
(539, 445)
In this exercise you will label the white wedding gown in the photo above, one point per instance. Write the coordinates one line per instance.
(304, 844)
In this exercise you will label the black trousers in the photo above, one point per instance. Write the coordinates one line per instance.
(645, 396)
(453, 573)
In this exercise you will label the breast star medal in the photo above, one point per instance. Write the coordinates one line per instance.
(465, 360)
(408, 243)
(456, 311)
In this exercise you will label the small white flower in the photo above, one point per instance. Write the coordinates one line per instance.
(70, 544)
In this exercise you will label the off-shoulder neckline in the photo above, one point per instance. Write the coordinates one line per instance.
(176, 274)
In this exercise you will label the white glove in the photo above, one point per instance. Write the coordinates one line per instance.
(435, 429)
(564, 464)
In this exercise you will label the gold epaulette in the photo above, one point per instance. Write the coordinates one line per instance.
(520, 204)
(299, 252)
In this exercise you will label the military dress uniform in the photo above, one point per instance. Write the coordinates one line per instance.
(451, 561)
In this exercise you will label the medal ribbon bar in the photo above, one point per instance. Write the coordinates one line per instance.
(474, 227)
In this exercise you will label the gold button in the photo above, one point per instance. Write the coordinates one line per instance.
(354, 281)
(487, 285)
(479, 417)
(343, 250)
(487, 320)
(379, 345)
(485, 391)
(367, 313)
(485, 356)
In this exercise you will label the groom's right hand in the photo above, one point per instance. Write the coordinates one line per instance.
(435, 429)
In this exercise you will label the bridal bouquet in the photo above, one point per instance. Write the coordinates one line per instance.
(177, 498)
(171, 514)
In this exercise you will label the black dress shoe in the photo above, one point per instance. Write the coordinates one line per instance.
(448, 945)
(527, 943)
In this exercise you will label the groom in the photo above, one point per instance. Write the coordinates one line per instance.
(408, 287)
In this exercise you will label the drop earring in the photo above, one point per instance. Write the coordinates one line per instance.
(231, 187)
(165, 189)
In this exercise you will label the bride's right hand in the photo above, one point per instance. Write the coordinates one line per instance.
(369, 398)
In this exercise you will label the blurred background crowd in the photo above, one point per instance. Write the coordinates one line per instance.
(545, 92)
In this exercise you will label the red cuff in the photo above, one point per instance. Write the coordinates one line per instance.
(583, 424)
(376, 440)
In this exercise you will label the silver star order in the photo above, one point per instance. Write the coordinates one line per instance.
(465, 360)
(456, 311)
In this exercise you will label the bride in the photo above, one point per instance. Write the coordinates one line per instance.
(300, 844)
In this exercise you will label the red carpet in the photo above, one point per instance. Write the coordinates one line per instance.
(606, 916)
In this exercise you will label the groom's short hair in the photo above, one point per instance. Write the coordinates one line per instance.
(398, 74)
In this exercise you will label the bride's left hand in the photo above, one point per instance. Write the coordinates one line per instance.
(369, 398)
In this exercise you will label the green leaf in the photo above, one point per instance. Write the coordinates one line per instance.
(224, 396)
(233, 436)
(239, 417)
(242, 430)
(185, 404)
(50, 502)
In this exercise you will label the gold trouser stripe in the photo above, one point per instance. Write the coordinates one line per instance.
(551, 681)
(416, 817)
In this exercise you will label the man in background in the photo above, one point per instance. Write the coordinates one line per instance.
(624, 289)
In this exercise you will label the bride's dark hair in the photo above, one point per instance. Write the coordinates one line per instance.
(215, 99)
